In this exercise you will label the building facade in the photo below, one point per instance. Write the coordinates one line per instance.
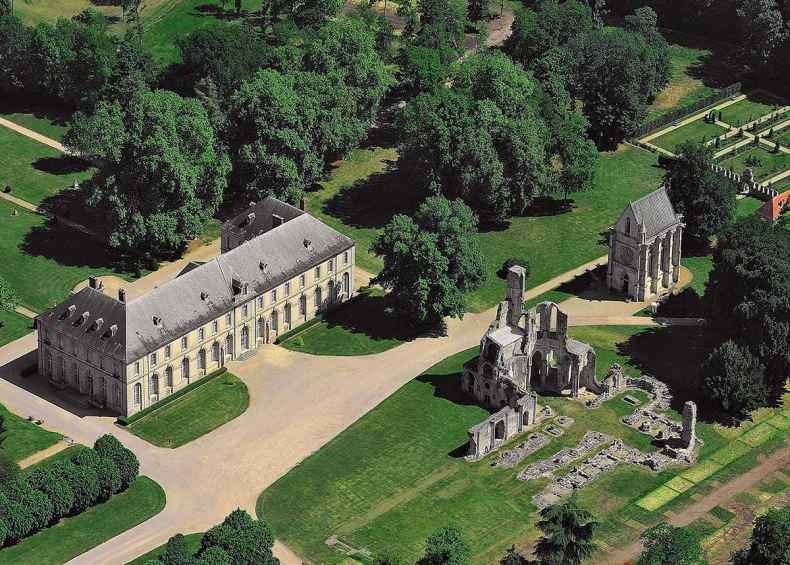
(281, 268)
(645, 248)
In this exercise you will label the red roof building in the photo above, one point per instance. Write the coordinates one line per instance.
(772, 209)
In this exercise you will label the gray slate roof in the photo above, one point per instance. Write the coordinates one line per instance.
(654, 211)
(200, 294)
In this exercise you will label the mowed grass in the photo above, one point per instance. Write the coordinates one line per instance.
(23, 438)
(34, 11)
(164, 21)
(38, 123)
(397, 474)
(770, 164)
(13, 326)
(194, 414)
(36, 171)
(750, 108)
(695, 131)
(191, 543)
(700, 267)
(43, 262)
(747, 206)
(77, 534)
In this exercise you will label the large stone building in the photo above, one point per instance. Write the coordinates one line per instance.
(523, 352)
(645, 248)
(279, 266)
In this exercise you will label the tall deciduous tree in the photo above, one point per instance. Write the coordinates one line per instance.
(246, 541)
(668, 545)
(160, 177)
(706, 200)
(769, 540)
(567, 534)
(446, 546)
(431, 260)
(735, 379)
(763, 32)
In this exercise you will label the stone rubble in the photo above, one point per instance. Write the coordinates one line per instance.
(514, 456)
(546, 467)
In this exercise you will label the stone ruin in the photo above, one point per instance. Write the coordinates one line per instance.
(546, 467)
(521, 352)
(512, 457)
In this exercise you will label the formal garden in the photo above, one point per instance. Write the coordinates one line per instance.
(192, 412)
(398, 473)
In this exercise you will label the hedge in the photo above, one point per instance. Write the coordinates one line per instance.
(126, 420)
(298, 329)
(65, 488)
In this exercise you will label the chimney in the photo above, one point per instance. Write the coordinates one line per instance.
(92, 282)
(122, 295)
(303, 204)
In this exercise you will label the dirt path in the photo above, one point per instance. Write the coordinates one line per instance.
(33, 135)
(43, 454)
(778, 460)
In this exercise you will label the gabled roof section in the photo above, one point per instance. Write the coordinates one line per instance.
(772, 209)
(654, 212)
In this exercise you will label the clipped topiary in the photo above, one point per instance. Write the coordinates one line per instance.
(40, 507)
(18, 519)
(109, 477)
(3, 532)
(108, 446)
(128, 465)
(9, 470)
(86, 458)
(84, 482)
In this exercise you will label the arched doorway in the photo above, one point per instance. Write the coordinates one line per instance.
(155, 385)
(185, 369)
(215, 354)
(536, 369)
(303, 307)
(169, 377)
(499, 430)
(138, 394)
(261, 330)
(202, 359)
(626, 284)
(287, 317)
(318, 298)
(346, 284)
(245, 338)
(229, 345)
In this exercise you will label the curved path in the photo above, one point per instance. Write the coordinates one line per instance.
(298, 402)
(33, 135)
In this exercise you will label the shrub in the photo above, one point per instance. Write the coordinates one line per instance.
(109, 477)
(245, 540)
(84, 483)
(108, 446)
(128, 465)
(40, 507)
(9, 470)
(86, 458)
(3, 532)
(17, 490)
(17, 518)
(62, 497)
(214, 556)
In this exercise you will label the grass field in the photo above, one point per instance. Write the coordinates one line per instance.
(76, 535)
(695, 131)
(55, 257)
(194, 414)
(747, 206)
(771, 164)
(749, 109)
(34, 11)
(24, 438)
(37, 122)
(700, 267)
(398, 472)
(13, 326)
(35, 171)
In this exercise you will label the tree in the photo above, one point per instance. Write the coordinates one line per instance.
(310, 12)
(422, 68)
(84, 483)
(9, 470)
(446, 546)
(246, 541)
(17, 518)
(706, 200)
(109, 476)
(513, 557)
(763, 33)
(16, 70)
(55, 487)
(8, 299)
(479, 10)
(160, 177)
(546, 26)
(431, 260)
(735, 379)
(176, 552)
(567, 534)
(769, 540)
(214, 556)
(644, 22)
(668, 545)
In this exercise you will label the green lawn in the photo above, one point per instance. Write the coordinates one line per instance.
(695, 131)
(362, 326)
(747, 110)
(747, 206)
(191, 541)
(34, 11)
(397, 474)
(24, 438)
(36, 171)
(38, 123)
(13, 326)
(54, 257)
(67, 454)
(167, 20)
(194, 414)
(700, 268)
(771, 164)
(684, 87)
(76, 535)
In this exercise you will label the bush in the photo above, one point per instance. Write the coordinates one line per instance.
(9, 470)
(128, 465)
(17, 518)
(245, 540)
(108, 446)
(84, 483)
(512, 262)
(40, 507)
(109, 477)
(3, 532)
(214, 556)
(61, 496)
(86, 458)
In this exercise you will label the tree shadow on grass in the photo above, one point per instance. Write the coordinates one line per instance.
(674, 355)
(63, 165)
(373, 201)
(371, 314)
(72, 205)
(70, 247)
(39, 107)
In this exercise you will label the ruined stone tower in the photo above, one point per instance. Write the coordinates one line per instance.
(688, 435)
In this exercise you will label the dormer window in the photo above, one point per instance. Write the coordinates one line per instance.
(204, 296)
(68, 312)
(250, 218)
(98, 323)
(628, 226)
(157, 321)
(83, 318)
(113, 329)
(308, 244)
(262, 266)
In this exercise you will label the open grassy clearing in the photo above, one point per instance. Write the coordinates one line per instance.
(13, 326)
(54, 256)
(770, 164)
(194, 414)
(35, 171)
(34, 11)
(77, 534)
(397, 473)
(24, 438)
(699, 130)
(39, 122)
(685, 87)
(754, 106)
(191, 542)
(747, 206)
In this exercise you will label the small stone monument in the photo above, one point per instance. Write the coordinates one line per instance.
(688, 435)
(748, 175)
